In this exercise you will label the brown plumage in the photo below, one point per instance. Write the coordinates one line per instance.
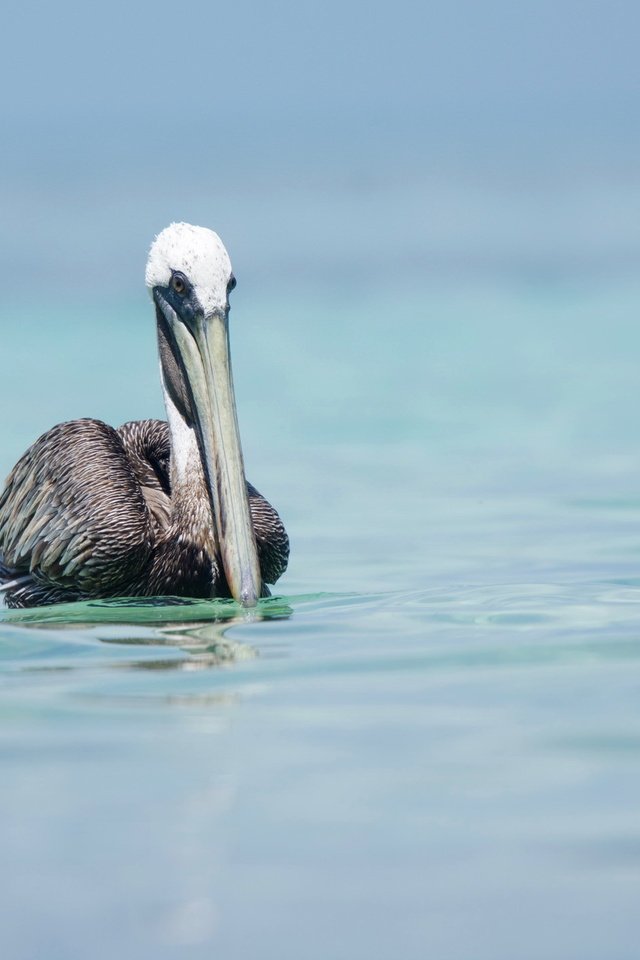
(151, 509)
(88, 512)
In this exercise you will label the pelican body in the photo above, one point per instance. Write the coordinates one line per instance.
(152, 508)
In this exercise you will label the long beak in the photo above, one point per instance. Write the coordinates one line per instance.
(204, 352)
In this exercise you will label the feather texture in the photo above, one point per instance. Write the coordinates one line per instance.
(87, 512)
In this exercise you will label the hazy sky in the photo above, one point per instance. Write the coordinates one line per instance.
(201, 58)
(449, 132)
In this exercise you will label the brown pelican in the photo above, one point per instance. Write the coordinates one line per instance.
(152, 508)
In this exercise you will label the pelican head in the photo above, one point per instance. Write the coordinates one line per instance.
(189, 277)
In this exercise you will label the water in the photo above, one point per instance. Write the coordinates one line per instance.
(428, 743)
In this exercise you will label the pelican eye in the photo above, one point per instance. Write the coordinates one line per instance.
(231, 285)
(179, 283)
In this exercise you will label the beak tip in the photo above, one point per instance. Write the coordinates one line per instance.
(249, 593)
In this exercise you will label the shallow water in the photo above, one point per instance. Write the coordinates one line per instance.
(428, 743)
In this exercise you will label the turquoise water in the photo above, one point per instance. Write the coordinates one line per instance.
(428, 743)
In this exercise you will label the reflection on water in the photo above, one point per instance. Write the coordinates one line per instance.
(397, 760)
(194, 643)
(438, 755)
(162, 610)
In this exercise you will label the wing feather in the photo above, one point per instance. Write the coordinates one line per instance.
(72, 513)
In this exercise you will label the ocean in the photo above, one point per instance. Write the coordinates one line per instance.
(427, 743)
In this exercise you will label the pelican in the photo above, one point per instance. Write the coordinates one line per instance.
(150, 508)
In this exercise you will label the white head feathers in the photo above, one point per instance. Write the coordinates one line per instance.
(198, 253)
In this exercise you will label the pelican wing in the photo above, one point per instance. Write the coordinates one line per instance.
(272, 541)
(73, 513)
(148, 447)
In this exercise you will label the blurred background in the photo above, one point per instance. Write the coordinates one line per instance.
(433, 212)
(331, 144)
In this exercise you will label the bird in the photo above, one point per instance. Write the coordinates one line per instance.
(152, 508)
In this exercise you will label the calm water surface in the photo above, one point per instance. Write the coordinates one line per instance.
(428, 744)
